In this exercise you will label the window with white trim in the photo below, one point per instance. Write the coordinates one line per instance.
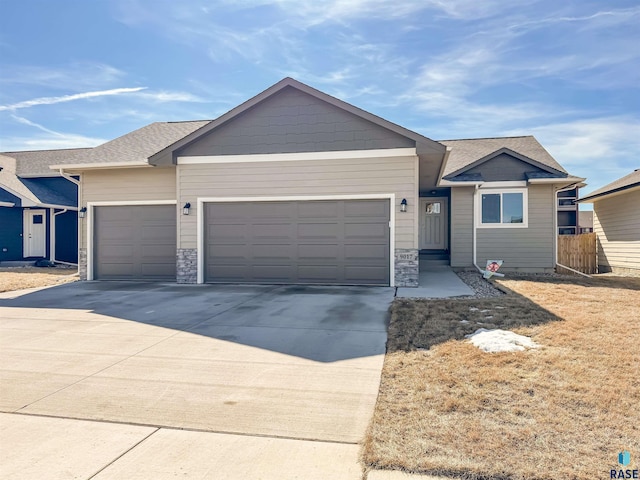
(502, 208)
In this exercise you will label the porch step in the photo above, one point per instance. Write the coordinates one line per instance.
(428, 258)
(424, 263)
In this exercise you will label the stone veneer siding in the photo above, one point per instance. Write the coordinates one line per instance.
(187, 265)
(82, 263)
(406, 267)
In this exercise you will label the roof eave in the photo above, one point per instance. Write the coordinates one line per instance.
(611, 193)
(565, 181)
(99, 166)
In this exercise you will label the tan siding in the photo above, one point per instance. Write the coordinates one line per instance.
(127, 184)
(529, 248)
(290, 178)
(616, 221)
(462, 227)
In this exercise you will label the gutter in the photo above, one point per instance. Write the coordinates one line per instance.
(475, 261)
(68, 177)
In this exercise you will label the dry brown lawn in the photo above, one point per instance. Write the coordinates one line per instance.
(18, 278)
(562, 411)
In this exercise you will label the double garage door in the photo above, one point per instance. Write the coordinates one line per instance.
(344, 242)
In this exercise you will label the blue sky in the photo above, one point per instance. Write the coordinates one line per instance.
(78, 73)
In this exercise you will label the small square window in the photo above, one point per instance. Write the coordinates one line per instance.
(433, 208)
(37, 219)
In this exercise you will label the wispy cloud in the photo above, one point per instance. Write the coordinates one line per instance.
(163, 96)
(68, 98)
(76, 76)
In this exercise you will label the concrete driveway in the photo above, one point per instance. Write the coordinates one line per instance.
(268, 369)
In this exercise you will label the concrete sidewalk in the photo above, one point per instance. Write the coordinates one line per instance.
(61, 448)
(436, 281)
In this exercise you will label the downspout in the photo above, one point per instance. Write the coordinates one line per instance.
(555, 230)
(475, 262)
(69, 177)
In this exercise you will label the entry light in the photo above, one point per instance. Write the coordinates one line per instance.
(403, 205)
(185, 209)
(82, 212)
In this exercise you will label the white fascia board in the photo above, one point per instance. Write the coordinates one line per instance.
(565, 180)
(301, 156)
(514, 184)
(449, 183)
(99, 166)
(7, 204)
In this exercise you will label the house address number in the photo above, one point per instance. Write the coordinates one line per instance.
(406, 256)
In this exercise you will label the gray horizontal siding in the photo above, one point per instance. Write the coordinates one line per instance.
(502, 168)
(304, 178)
(529, 248)
(292, 121)
(462, 227)
(616, 221)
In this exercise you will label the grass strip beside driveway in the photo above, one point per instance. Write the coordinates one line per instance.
(562, 411)
(19, 278)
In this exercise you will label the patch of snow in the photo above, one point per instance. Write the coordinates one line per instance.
(487, 318)
(484, 311)
(493, 341)
(464, 321)
(473, 309)
(500, 308)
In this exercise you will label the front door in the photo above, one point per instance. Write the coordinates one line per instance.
(35, 233)
(433, 223)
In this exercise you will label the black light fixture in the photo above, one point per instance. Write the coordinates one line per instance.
(403, 205)
(82, 212)
(185, 209)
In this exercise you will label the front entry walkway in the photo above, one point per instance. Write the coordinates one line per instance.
(436, 281)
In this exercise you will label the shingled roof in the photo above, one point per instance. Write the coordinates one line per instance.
(139, 145)
(465, 152)
(36, 162)
(625, 183)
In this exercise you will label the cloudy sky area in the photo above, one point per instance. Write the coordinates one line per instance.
(78, 73)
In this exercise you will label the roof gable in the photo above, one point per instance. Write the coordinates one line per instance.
(504, 164)
(292, 121)
(465, 152)
(168, 155)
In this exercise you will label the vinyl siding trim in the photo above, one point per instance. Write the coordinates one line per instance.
(302, 156)
(200, 220)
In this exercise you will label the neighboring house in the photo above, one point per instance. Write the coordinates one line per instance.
(616, 221)
(296, 186)
(585, 221)
(38, 207)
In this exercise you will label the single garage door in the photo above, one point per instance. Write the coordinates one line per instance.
(344, 242)
(135, 242)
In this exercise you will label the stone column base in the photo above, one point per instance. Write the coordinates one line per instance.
(82, 263)
(187, 265)
(406, 267)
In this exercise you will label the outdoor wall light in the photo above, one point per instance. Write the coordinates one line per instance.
(82, 212)
(403, 205)
(185, 209)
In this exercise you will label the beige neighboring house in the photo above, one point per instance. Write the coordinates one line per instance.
(585, 221)
(616, 222)
(295, 186)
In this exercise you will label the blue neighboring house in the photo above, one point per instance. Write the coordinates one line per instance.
(38, 206)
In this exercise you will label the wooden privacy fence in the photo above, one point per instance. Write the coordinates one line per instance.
(578, 252)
